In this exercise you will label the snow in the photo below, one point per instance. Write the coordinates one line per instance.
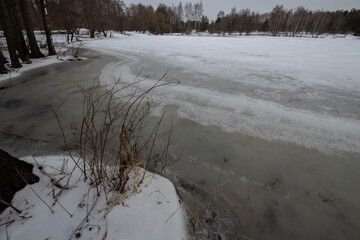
(302, 91)
(58, 39)
(36, 63)
(61, 47)
(150, 211)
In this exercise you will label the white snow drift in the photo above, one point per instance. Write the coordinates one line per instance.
(151, 211)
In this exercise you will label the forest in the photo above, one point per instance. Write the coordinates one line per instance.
(102, 15)
(99, 16)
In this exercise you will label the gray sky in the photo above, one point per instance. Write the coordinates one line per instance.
(212, 7)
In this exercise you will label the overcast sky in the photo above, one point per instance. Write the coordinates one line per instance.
(212, 7)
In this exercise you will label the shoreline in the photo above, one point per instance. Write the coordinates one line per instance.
(35, 63)
(285, 180)
(152, 206)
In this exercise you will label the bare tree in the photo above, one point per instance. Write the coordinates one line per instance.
(189, 13)
(9, 35)
(277, 19)
(299, 18)
(35, 51)
(233, 14)
(3, 60)
(198, 13)
(180, 15)
(89, 8)
(44, 14)
(21, 47)
(68, 12)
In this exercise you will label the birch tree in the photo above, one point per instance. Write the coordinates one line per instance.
(198, 13)
(46, 25)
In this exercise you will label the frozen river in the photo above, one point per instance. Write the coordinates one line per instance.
(268, 129)
(293, 90)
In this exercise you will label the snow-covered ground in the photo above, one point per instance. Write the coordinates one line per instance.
(61, 48)
(150, 211)
(295, 90)
(25, 67)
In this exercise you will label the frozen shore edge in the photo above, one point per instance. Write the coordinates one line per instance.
(151, 211)
(36, 63)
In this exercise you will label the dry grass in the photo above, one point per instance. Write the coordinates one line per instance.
(109, 140)
(110, 136)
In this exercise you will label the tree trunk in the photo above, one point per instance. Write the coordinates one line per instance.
(92, 32)
(7, 27)
(3, 60)
(67, 37)
(19, 38)
(10, 179)
(17, 18)
(47, 29)
(89, 6)
(35, 51)
(3, 69)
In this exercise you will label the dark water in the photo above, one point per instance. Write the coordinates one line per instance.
(237, 186)
(265, 190)
(26, 113)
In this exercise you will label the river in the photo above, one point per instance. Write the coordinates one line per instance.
(240, 186)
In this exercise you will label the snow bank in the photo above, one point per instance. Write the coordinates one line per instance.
(151, 211)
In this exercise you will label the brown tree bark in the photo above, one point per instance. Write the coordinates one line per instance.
(35, 51)
(7, 27)
(47, 28)
(10, 179)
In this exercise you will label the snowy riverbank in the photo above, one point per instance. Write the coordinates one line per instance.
(150, 211)
(36, 63)
(61, 49)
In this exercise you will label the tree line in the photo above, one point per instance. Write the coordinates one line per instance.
(102, 15)
(99, 16)
(289, 21)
